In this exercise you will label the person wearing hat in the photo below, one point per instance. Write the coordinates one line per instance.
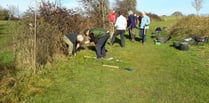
(144, 25)
(73, 42)
(99, 36)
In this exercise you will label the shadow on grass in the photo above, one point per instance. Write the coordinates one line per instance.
(136, 38)
(117, 40)
(91, 48)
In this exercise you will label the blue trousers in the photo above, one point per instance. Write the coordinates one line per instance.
(121, 32)
(143, 35)
(100, 46)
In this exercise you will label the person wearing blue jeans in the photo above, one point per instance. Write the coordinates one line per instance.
(144, 25)
(142, 35)
(99, 36)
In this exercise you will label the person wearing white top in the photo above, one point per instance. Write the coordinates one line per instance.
(120, 24)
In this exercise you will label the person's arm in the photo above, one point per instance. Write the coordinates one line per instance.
(93, 38)
(74, 49)
(87, 42)
(77, 46)
(143, 22)
(116, 23)
(149, 20)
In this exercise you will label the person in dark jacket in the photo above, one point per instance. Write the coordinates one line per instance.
(132, 25)
(73, 41)
(99, 36)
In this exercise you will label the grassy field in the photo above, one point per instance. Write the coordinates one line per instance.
(5, 44)
(161, 74)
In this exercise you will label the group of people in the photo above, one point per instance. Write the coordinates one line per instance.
(136, 23)
(119, 24)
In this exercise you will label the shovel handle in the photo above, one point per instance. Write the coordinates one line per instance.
(111, 66)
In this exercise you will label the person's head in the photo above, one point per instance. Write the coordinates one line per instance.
(143, 13)
(86, 32)
(130, 12)
(80, 38)
(122, 12)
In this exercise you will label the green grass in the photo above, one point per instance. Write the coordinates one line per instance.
(5, 44)
(7, 65)
(3, 26)
(162, 75)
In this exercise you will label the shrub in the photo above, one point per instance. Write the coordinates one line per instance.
(154, 17)
(4, 14)
(53, 21)
(191, 26)
(177, 13)
(42, 45)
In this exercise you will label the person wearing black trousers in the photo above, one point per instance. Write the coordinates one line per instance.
(99, 36)
(120, 24)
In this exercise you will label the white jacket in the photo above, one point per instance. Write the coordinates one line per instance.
(121, 23)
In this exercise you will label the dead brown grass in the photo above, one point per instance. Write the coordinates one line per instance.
(191, 26)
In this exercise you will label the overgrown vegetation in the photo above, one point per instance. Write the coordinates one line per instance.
(154, 17)
(4, 14)
(40, 41)
(191, 26)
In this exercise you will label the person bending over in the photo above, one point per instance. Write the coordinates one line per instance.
(73, 41)
(99, 36)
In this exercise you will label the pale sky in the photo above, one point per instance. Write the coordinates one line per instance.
(159, 7)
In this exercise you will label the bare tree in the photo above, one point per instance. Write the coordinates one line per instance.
(197, 4)
(13, 11)
(97, 10)
(126, 4)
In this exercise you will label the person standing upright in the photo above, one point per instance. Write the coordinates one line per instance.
(144, 25)
(120, 24)
(112, 19)
(132, 19)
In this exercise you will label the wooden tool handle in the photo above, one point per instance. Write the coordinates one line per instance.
(111, 66)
